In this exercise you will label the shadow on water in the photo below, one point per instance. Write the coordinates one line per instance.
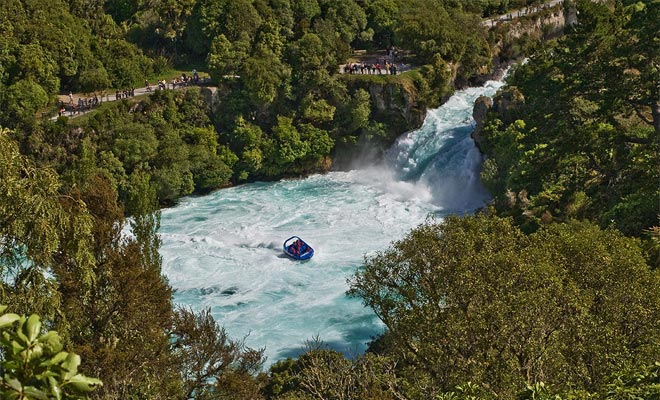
(349, 350)
(354, 342)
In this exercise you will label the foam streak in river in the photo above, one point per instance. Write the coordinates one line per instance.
(223, 250)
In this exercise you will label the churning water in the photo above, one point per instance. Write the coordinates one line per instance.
(224, 250)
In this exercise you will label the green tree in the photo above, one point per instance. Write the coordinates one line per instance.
(304, 12)
(637, 60)
(423, 27)
(320, 373)
(475, 299)
(382, 18)
(642, 382)
(225, 57)
(589, 147)
(173, 16)
(290, 146)
(37, 66)
(134, 144)
(248, 140)
(120, 323)
(172, 173)
(209, 359)
(320, 142)
(21, 101)
(317, 111)
(263, 74)
(93, 79)
(347, 17)
(38, 222)
(308, 57)
(208, 170)
(359, 109)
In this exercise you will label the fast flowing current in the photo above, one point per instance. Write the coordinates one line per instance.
(223, 251)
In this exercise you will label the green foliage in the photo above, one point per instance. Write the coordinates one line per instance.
(171, 137)
(430, 29)
(359, 110)
(21, 102)
(212, 364)
(290, 146)
(134, 144)
(635, 383)
(317, 110)
(225, 57)
(381, 19)
(61, 43)
(208, 170)
(320, 143)
(120, 323)
(263, 74)
(38, 222)
(94, 79)
(327, 374)
(474, 298)
(125, 63)
(34, 365)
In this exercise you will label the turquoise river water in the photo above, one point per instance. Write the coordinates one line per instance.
(224, 250)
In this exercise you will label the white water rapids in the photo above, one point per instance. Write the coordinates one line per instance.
(224, 250)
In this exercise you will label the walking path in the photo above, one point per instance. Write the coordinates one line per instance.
(76, 104)
(74, 108)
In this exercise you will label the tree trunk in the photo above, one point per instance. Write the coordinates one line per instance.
(655, 110)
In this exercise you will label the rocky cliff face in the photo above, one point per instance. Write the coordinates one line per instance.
(540, 25)
(482, 105)
(504, 103)
(547, 22)
(396, 103)
(393, 98)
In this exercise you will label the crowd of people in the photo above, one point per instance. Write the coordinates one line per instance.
(79, 107)
(182, 81)
(386, 65)
(124, 94)
(376, 68)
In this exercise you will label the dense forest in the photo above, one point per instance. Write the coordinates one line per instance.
(551, 293)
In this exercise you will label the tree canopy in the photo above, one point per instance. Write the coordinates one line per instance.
(476, 299)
